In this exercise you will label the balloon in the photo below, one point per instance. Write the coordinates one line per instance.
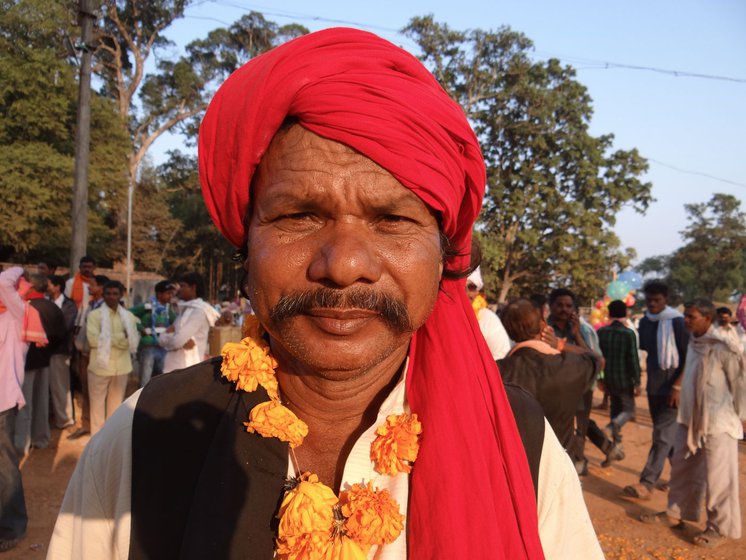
(596, 315)
(617, 290)
(629, 301)
(631, 278)
(599, 304)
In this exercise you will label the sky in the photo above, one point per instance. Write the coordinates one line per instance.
(689, 128)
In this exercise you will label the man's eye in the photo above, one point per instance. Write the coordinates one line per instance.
(395, 218)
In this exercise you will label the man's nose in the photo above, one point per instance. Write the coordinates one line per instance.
(347, 254)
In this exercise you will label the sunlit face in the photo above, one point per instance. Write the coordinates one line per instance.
(187, 291)
(562, 308)
(695, 322)
(655, 303)
(112, 297)
(164, 297)
(87, 269)
(344, 262)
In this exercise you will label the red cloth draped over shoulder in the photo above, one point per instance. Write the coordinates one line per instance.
(471, 494)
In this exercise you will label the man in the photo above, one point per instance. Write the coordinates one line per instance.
(156, 315)
(47, 267)
(365, 181)
(77, 288)
(59, 363)
(557, 379)
(186, 340)
(572, 331)
(489, 323)
(83, 351)
(664, 338)
(19, 325)
(32, 423)
(725, 327)
(711, 400)
(622, 369)
(112, 334)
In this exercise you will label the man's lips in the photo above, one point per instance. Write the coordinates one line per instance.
(341, 321)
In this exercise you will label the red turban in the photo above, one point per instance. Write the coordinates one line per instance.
(471, 494)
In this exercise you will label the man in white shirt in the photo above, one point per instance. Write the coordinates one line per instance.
(186, 339)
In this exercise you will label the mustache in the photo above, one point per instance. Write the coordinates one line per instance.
(392, 310)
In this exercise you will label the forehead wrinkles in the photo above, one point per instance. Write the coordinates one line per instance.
(302, 163)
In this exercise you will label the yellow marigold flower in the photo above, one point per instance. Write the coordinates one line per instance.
(372, 515)
(249, 364)
(478, 303)
(308, 546)
(272, 419)
(396, 445)
(306, 518)
(347, 549)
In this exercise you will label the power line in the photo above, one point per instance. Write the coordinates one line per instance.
(699, 173)
(593, 64)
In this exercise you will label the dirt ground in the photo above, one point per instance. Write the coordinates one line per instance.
(622, 536)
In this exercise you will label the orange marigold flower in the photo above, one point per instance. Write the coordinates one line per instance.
(372, 515)
(396, 445)
(306, 518)
(248, 364)
(478, 303)
(347, 549)
(272, 419)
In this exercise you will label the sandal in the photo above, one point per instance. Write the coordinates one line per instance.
(709, 538)
(639, 491)
(661, 518)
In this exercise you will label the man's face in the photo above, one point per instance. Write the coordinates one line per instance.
(86, 269)
(164, 297)
(351, 256)
(43, 268)
(562, 308)
(695, 322)
(724, 319)
(655, 302)
(471, 290)
(53, 290)
(187, 291)
(95, 290)
(112, 297)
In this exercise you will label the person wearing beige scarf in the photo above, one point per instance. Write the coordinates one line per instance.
(711, 416)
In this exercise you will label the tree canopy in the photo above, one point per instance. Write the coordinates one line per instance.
(553, 189)
(712, 262)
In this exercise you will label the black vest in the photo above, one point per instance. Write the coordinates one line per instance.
(212, 491)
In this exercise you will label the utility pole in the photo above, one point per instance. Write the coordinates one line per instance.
(86, 18)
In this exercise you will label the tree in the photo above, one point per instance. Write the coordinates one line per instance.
(553, 189)
(712, 263)
(37, 108)
(175, 96)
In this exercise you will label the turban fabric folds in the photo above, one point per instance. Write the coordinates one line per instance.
(471, 494)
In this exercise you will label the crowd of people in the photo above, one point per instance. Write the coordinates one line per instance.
(376, 407)
(76, 336)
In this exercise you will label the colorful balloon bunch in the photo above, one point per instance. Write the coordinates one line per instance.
(623, 288)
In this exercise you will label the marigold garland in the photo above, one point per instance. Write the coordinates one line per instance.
(314, 523)
(272, 419)
(478, 303)
(396, 445)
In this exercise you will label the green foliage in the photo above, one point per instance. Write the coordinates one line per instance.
(553, 189)
(38, 96)
(712, 263)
